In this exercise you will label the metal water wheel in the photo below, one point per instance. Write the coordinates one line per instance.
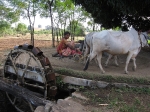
(26, 66)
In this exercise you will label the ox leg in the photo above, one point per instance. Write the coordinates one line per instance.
(95, 59)
(134, 64)
(127, 62)
(99, 56)
(107, 61)
(116, 62)
(90, 57)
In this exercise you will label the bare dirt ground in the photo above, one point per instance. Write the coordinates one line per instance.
(142, 61)
(143, 66)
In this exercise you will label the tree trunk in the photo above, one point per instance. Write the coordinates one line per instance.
(32, 37)
(50, 11)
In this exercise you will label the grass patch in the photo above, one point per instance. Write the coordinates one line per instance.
(119, 100)
(98, 77)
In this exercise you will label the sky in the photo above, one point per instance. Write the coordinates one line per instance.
(38, 21)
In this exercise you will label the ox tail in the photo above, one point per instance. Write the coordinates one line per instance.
(91, 44)
(86, 65)
(84, 46)
(88, 60)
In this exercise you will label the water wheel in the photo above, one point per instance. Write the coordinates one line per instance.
(27, 66)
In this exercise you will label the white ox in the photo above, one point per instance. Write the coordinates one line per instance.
(116, 43)
(87, 48)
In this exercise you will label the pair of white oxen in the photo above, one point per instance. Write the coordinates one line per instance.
(114, 43)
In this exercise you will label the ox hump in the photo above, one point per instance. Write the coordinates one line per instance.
(116, 34)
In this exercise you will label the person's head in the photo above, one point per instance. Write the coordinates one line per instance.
(66, 35)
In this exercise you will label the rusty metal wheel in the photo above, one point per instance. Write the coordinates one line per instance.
(29, 68)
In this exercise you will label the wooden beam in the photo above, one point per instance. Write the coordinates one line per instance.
(23, 93)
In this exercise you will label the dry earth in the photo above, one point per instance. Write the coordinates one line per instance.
(142, 60)
(143, 66)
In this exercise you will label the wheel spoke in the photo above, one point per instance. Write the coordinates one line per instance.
(9, 98)
(25, 69)
(31, 107)
(13, 65)
(18, 109)
(14, 100)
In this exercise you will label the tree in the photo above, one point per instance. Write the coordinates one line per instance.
(49, 4)
(29, 10)
(21, 27)
(68, 14)
(113, 13)
(7, 13)
(4, 27)
(60, 9)
(79, 30)
(46, 7)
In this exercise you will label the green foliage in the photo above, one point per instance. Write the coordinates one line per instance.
(111, 13)
(129, 108)
(118, 100)
(81, 88)
(59, 82)
(116, 29)
(13, 17)
(80, 31)
(21, 27)
(10, 31)
(5, 28)
(135, 90)
(4, 24)
(93, 97)
(66, 4)
(28, 9)
(43, 32)
(8, 14)
(78, 27)
(135, 107)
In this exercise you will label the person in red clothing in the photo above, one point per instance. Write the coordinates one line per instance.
(66, 48)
